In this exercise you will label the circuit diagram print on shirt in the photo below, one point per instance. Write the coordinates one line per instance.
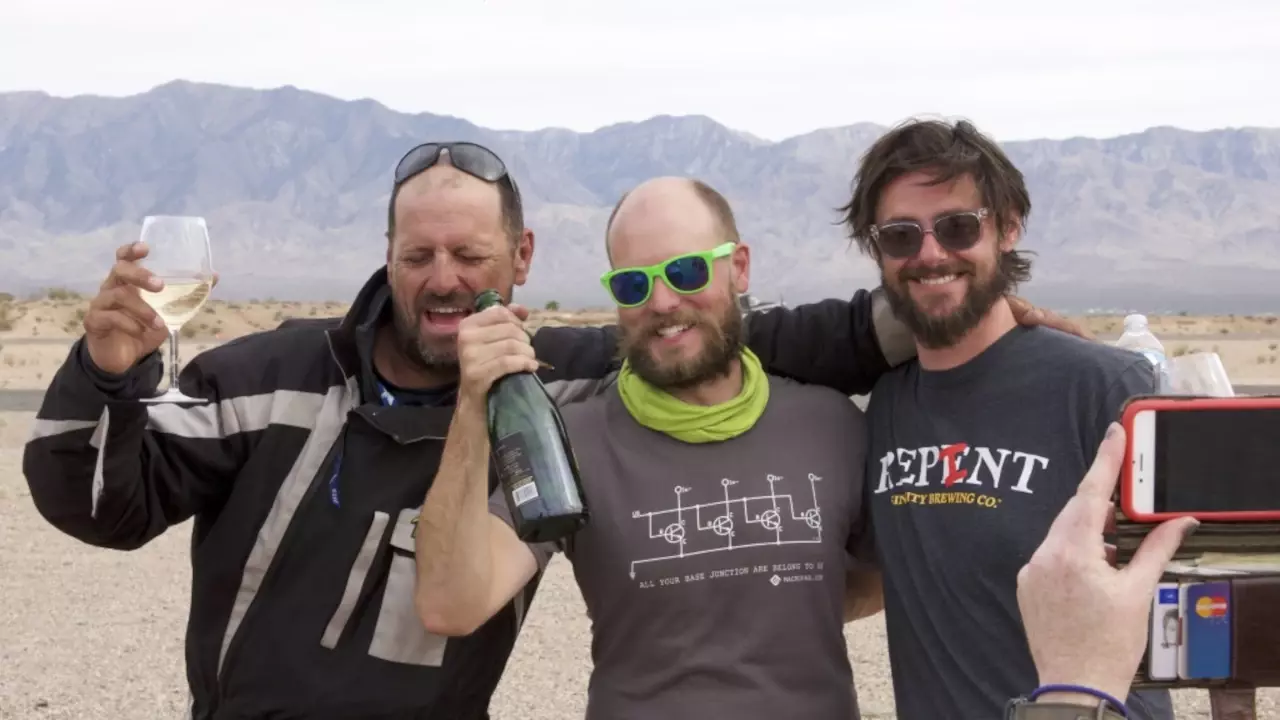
(734, 522)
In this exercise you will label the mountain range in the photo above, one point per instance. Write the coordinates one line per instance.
(295, 184)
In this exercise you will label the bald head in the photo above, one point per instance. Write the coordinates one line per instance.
(668, 214)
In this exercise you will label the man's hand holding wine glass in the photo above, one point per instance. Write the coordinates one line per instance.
(138, 307)
(120, 327)
(492, 344)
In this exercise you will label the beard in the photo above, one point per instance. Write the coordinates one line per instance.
(434, 355)
(940, 331)
(722, 342)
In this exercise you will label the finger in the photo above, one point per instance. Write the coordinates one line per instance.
(1109, 551)
(132, 252)
(494, 333)
(129, 273)
(1018, 306)
(1157, 549)
(478, 356)
(520, 311)
(500, 367)
(1057, 322)
(126, 299)
(514, 346)
(1084, 518)
(102, 322)
(1104, 473)
(496, 315)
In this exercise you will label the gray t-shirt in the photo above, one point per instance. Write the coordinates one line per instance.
(966, 471)
(714, 574)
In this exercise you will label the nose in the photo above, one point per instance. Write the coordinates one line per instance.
(663, 299)
(442, 276)
(930, 250)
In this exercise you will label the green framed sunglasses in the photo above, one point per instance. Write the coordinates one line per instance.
(686, 274)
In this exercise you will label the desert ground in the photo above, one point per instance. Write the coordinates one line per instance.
(90, 634)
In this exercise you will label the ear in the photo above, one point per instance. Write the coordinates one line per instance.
(1012, 234)
(523, 256)
(740, 268)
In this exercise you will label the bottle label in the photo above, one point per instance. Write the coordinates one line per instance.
(514, 469)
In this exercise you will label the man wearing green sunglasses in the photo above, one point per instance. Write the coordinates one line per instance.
(726, 503)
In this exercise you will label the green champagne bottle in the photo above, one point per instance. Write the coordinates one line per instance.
(532, 455)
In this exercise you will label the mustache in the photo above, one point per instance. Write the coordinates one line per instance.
(684, 317)
(918, 272)
(427, 302)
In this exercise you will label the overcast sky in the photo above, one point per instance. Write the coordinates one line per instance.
(775, 68)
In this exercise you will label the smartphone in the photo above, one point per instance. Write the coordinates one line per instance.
(1209, 458)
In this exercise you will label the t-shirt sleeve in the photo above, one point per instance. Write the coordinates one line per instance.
(542, 552)
(1137, 378)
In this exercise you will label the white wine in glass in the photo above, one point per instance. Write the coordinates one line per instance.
(178, 254)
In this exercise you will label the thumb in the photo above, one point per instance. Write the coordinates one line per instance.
(1157, 550)
(519, 311)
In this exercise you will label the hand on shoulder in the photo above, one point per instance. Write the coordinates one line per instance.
(1027, 314)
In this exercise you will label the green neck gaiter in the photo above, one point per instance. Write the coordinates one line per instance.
(660, 411)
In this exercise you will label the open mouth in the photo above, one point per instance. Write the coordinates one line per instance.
(445, 319)
(936, 280)
(672, 332)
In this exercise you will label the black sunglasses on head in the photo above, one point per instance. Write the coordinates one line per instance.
(471, 158)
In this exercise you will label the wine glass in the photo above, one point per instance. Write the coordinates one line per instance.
(178, 254)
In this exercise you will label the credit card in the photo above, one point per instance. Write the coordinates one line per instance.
(1207, 623)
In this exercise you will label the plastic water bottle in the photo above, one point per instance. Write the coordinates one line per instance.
(1137, 337)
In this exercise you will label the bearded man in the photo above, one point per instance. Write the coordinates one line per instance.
(725, 502)
(978, 443)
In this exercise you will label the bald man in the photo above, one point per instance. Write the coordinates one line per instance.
(725, 502)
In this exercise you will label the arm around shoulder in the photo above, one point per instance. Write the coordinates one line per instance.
(113, 472)
(842, 344)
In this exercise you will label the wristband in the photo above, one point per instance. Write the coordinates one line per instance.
(1105, 699)
(1021, 709)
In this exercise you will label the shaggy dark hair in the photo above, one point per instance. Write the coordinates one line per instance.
(948, 152)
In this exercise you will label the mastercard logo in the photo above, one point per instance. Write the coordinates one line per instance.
(1208, 607)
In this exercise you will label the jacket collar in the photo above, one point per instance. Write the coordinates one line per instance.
(352, 340)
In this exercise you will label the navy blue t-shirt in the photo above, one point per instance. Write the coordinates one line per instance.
(966, 471)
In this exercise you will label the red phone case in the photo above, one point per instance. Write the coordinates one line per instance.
(1185, 403)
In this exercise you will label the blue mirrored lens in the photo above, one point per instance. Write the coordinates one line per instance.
(688, 274)
(629, 288)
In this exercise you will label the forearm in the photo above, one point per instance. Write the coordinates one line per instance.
(842, 344)
(454, 553)
(90, 471)
(863, 595)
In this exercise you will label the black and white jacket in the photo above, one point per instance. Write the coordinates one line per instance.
(304, 489)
